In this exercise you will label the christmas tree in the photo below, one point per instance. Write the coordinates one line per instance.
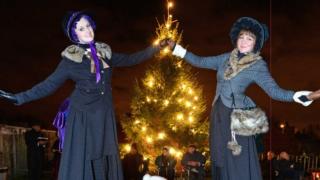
(167, 106)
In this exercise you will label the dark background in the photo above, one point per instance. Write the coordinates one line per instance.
(32, 40)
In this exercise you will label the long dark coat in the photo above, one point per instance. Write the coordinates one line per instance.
(90, 147)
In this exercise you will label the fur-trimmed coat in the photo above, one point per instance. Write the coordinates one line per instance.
(256, 73)
(91, 132)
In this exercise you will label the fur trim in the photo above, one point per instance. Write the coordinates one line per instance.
(75, 53)
(235, 65)
(249, 122)
(234, 147)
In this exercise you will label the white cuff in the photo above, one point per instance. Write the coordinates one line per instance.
(302, 93)
(179, 51)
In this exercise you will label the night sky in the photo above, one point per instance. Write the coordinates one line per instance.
(32, 40)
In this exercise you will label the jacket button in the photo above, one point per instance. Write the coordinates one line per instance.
(102, 93)
(102, 72)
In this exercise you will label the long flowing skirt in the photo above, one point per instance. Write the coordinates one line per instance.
(226, 166)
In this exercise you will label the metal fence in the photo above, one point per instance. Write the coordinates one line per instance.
(13, 150)
(309, 162)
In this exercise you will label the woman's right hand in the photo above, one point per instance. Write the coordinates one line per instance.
(8, 97)
(171, 43)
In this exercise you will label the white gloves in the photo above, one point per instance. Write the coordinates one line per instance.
(297, 96)
(179, 51)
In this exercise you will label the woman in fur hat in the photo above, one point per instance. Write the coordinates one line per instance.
(90, 146)
(232, 145)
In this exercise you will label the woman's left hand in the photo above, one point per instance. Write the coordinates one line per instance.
(314, 95)
(302, 97)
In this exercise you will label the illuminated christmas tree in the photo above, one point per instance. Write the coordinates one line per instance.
(167, 106)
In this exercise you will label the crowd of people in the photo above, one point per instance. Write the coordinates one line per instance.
(281, 167)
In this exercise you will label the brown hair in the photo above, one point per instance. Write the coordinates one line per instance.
(248, 32)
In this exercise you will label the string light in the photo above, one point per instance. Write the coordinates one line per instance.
(188, 104)
(179, 116)
(127, 148)
(149, 139)
(191, 119)
(136, 122)
(161, 135)
(166, 102)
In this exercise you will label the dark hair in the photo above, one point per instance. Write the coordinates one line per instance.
(74, 36)
(165, 148)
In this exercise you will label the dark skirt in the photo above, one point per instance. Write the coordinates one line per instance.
(226, 166)
(90, 149)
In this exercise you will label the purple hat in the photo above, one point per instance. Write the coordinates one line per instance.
(68, 23)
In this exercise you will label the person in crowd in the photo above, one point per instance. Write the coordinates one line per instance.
(133, 164)
(193, 163)
(166, 164)
(36, 144)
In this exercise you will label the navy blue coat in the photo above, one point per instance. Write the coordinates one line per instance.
(91, 125)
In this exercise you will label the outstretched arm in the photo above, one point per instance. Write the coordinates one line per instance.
(264, 79)
(47, 86)
(268, 84)
(209, 62)
(118, 60)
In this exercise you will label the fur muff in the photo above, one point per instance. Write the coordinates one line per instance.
(234, 147)
(249, 122)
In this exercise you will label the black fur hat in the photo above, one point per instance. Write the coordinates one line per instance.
(258, 29)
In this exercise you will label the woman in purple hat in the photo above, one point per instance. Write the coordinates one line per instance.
(90, 149)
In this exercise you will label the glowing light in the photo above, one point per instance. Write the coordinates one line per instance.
(150, 82)
(127, 148)
(174, 128)
(156, 42)
(196, 98)
(172, 151)
(194, 107)
(180, 116)
(136, 122)
(148, 99)
(179, 154)
(166, 50)
(155, 100)
(188, 104)
(282, 125)
(166, 102)
(170, 5)
(161, 135)
(149, 139)
(191, 119)
(183, 86)
(190, 91)
(144, 128)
